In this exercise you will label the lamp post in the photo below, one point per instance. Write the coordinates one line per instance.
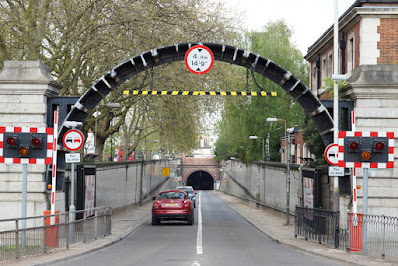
(287, 152)
(256, 137)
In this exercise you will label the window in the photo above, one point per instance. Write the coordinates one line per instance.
(330, 64)
(351, 53)
(323, 67)
(305, 155)
(298, 154)
(314, 74)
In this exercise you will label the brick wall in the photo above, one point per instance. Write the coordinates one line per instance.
(388, 31)
(191, 165)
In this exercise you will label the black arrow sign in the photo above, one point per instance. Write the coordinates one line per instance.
(200, 50)
(198, 70)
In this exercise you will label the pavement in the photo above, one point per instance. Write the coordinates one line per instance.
(271, 224)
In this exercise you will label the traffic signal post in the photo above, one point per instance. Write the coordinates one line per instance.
(24, 145)
(366, 150)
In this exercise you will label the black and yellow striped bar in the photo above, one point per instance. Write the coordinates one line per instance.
(202, 93)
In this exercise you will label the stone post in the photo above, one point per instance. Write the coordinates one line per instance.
(24, 88)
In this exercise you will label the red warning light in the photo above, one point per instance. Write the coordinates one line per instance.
(354, 146)
(36, 142)
(379, 146)
(11, 141)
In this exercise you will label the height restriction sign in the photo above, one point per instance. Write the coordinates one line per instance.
(199, 59)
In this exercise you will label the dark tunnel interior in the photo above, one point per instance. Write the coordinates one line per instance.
(200, 180)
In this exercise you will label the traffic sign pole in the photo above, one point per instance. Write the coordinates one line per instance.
(24, 199)
(354, 176)
(365, 212)
(73, 140)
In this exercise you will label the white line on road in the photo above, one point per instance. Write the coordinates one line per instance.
(199, 249)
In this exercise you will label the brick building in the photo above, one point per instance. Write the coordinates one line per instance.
(368, 35)
(368, 56)
(299, 153)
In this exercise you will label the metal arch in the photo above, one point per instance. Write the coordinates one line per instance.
(225, 53)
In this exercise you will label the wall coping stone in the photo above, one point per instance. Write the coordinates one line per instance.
(29, 72)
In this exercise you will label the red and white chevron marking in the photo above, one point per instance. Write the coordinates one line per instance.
(389, 135)
(50, 140)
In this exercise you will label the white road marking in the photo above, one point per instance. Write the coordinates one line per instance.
(199, 249)
(195, 263)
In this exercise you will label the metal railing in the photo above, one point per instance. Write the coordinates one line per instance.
(381, 234)
(41, 237)
(318, 224)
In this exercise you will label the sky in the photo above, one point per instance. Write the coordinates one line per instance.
(308, 19)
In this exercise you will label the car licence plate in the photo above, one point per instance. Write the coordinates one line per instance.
(171, 204)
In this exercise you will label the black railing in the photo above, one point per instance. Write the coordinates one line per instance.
(318, 224)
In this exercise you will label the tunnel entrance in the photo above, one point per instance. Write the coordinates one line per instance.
(200, 180)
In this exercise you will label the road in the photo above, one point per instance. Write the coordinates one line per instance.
(220, 236)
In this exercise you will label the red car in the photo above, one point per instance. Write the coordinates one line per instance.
(172, 205)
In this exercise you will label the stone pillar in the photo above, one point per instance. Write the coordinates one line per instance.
(374, 88)
(24, 88)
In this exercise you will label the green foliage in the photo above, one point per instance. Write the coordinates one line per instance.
(243, 117)
(82, 40)
(329, 86)
(314, 141)
(311, 134)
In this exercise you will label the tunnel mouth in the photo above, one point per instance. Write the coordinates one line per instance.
(200, 180)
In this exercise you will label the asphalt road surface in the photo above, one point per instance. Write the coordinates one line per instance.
(220, 236)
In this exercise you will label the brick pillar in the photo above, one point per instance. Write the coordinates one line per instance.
(374, 88)
(24, 88)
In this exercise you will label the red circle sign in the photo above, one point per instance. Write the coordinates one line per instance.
(331, 154)
(73, 140)
(199, 59)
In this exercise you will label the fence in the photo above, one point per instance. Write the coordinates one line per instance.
(381, 234)
(20, 242)
(319, 225)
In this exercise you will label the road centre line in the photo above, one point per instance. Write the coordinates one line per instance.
(199, 249)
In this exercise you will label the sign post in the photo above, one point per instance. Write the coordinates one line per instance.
(25, 145)
(73, 140)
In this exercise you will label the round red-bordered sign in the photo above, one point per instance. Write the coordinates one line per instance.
(331, 154)
(199, 59)
(73, 140)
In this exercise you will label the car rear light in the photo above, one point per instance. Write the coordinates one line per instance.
(156, 204)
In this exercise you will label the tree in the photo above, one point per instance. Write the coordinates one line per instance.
(82, 40)
(247, 116)
(311, 134)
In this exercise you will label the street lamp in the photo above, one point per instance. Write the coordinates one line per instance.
(256, 137)
(287, 150)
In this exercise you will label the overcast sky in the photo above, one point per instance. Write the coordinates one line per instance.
(308, 19)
